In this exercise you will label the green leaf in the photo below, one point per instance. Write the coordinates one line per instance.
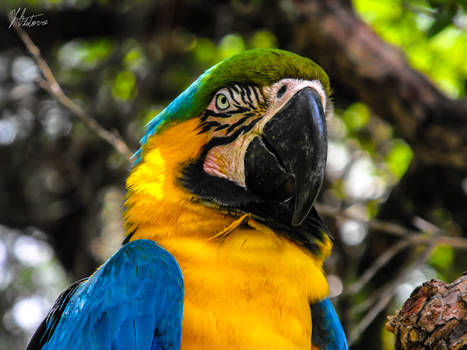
(442, 257)
(96, 50)
(230, 45)
(263, 39)
(356, 116)
(205, 52)
(133, 57)
(124, 86)
(406, 24)
(399, 157)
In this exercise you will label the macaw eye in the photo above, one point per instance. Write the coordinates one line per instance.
(222, 102)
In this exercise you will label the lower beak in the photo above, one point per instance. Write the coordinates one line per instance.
(289, 159)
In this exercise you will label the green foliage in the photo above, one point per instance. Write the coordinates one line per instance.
(124, 86)
(428, 34)
(230, 45)
(262, 39)
(442, 257)
(205, 52)
(388, 339)
(134, 58)
(356, 116)
(85, 55)
(399, 157)
(93, 51)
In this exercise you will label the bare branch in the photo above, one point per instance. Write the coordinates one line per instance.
(378, 264)
(384, 295)
(53, 87)
(437, 236)
(455, 242)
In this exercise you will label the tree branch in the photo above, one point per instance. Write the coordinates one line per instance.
(434, 317)
(377, 265)
(51, 85)
(383, 296)
(415, 237)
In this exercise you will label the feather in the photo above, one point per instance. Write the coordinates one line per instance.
(327, 329)
(134, 301)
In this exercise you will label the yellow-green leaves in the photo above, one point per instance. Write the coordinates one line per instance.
(85, 54)
(442, 257)
(262, 39)
(399, 157)
(356, 116)
(206, 52)
(427, 33)
(124, 85)
(231, 45)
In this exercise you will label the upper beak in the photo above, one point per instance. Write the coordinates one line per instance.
(289, 159)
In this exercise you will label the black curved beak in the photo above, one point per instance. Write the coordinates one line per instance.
(289, 159)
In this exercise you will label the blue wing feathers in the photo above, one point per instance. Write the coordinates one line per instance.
(134, 301)
(327, 333)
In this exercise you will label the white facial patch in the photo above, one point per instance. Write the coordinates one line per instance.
(277, 99)
(249, 110)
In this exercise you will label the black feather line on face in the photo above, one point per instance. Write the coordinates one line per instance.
(239, 109)
(210, 113)
(218, 141)
(232, 94)
(239, 122)
(235, 88)
(248, 93)
(206, 126)
(256, 95)
(236, 109)
(246, 97)
(223, 126)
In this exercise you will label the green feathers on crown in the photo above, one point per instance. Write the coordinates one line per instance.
(260, 67)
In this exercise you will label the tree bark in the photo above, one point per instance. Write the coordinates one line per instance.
(434, 317)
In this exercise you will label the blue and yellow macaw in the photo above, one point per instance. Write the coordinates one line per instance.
(224, 247)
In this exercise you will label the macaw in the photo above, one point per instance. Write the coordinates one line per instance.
(224, 247)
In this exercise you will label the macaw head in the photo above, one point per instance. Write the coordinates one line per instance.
(248, 136)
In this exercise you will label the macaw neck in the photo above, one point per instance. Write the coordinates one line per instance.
(181, 219)
(158, 206)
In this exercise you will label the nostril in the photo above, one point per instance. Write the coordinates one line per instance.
(282, 91)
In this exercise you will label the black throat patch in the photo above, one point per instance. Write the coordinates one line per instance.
(276, 215)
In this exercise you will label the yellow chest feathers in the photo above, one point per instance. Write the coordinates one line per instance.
(248, 290)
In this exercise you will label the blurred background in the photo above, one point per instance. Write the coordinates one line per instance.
(395, 195)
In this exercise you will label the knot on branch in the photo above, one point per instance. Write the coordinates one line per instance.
(434, 317)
